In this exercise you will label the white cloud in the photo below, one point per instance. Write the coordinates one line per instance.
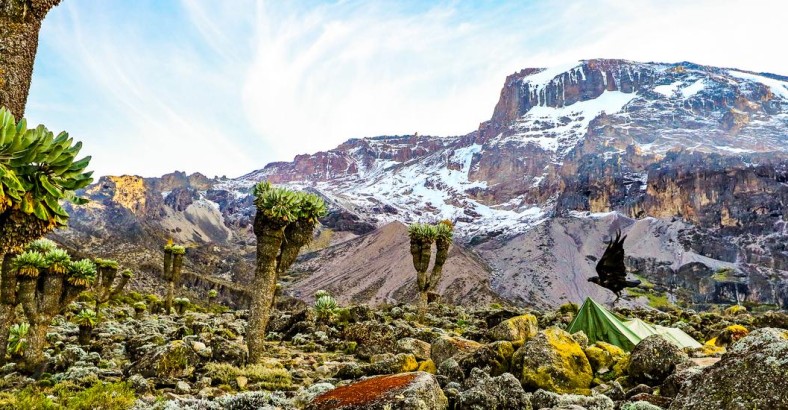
(226, 87)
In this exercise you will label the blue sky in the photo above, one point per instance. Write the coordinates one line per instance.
(225, 87)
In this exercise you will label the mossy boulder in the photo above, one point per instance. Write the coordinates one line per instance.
(542, 399)
(401, 363)
(175, 360)
(753, 371)
(407, 391)
(654, 359)
(553, 361)
(603, 356)
(730, 334)
(496, 356)
(522, 327)
(492, 393)
(447, 347)
(416, 347)
(428, 366)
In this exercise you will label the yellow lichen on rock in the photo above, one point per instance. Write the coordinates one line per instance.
(553, 361)
(603, 356)
(522, 327)
(428, 366)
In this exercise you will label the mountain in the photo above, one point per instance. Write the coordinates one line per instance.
(689, 159)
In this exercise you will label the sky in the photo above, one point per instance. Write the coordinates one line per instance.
(225, 87)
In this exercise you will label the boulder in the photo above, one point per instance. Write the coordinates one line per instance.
(676, 381)
(496, 357)
(174, 360)
(654, 359)
(406, 391)
(492, 393)
(232, 351)
(753, 371)
(401, 363)
(639, 405)
(544, 400)
(446, 347)
(603, 356)
(517, 328)
(554, 361)
(416, 347)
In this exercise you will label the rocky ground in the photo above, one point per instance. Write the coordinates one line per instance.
(356, 357)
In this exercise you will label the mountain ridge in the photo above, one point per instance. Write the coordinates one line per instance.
(704, 145)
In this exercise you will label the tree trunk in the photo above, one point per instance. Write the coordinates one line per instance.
(7, 302)
(297, 235)
(20, 22)
(422, 308)
(175, 277)
(34, 352)
(168, 300)
(270, 236)
(441, 254)
(84, 335)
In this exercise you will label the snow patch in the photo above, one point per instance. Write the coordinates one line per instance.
(778, 87)
(693, 88)
(667, 90)
(542, 78)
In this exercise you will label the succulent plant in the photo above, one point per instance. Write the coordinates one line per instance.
(284, 223)
(29, 263)
(86, 319)
(42, 245)
(82, 273)
(57, 261)
(422, 237)
(17, 340)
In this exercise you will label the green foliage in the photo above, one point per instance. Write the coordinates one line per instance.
(17, 338)
(325, 304)
(444, 231)
(38, 170)
(422, 232)
(42, 245)
(181, 301)
(57, 260)
(82, 273)
(320, 293)
(268, 375)
(104, 396)
(127, 273)
(284, 205)
(140, 306)
(85, 318)
(29, 398)
(106, 263)
(29, 263)
(177, 250)
(213, 293)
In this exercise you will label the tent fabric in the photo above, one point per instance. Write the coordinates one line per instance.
(683, 339)
(599, 324)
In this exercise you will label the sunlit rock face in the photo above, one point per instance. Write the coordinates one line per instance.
(689, 160)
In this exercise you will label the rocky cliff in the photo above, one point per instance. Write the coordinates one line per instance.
(696, 153)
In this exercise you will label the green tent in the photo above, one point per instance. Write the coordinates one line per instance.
(671, 334)
(599, 324)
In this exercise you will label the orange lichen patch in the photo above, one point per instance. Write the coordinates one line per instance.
(364, 392)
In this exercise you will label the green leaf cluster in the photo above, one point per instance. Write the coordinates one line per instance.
(39, 169)
(105, 263)
(17, 338)
(42, 245)
(422, 232)
(86, 318)
(57, 260)
(82, 273)
(284, 205)
(29, 263)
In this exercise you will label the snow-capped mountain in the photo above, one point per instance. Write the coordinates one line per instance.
(705, 145)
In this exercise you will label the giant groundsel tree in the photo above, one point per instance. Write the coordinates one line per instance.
(285, 222)
(422, 237)
(38, 170)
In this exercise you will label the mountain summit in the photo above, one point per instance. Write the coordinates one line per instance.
(692, 157)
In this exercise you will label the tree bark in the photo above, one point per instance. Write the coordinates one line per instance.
(84, 335)
(7, 302)
(441, 254)
(34, 352)
(175, 277)
(20, 23)
(270, 236)
(422, 308)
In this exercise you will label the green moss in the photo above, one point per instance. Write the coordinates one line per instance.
(29, 398)
(724, 275)
(656, 300)
(268, 375)
(104, 396)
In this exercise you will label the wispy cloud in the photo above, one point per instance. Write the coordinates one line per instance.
(226, 87)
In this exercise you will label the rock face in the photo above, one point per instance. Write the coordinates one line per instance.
(753, 371)
(411, 391)
(492, 393)
(654, 359)
(553, 361)
(517, 328)
(702, 150)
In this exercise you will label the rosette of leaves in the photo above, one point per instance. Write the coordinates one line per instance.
(58, 261)
(42, 245)
(325, 305)
(139, 309)
(181, 304)
(29, 264)
(86, 319)
(81, 273)
(17, 340)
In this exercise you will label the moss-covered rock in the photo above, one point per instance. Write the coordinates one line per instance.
(730, 334)
(401, 363)
(753, 371)
(547, 400)
(174, 360)
(416, 347)
(522, 327)
(654, 359)
(603, 356)
(428, 366)
(447, 347)
(492, 393)
(553, 361)
(496, 356)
